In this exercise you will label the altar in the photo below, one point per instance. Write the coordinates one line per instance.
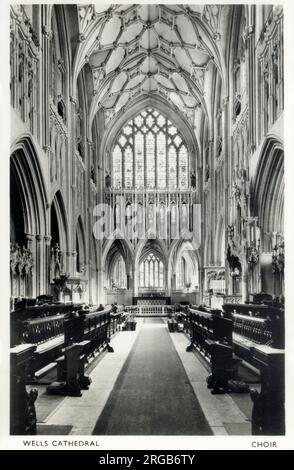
(151, 300)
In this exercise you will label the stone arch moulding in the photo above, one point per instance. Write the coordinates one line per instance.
(24, 162)
(158, 246)
(174, 252)
(267, 186)
(186, 250)
(118, 247)
(143, 248)
(113, 256)
(126, 244)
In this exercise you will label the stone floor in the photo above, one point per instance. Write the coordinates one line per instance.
(227, 414)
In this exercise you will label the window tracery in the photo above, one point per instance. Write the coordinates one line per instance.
(150, 153)
(151, 272)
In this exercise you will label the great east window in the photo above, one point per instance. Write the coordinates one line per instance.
(150, 153)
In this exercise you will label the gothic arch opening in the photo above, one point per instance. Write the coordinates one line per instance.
(268, 207)
(118, 272)
(59, 237)
(28, 227)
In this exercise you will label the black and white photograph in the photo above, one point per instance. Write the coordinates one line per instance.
(146, 222)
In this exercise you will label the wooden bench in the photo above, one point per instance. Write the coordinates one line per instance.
(258, 339)
(22, 409)
(211, 335)
(46, 331)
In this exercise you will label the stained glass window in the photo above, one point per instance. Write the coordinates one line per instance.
(117, 167)
(161, 160)
(151, 272)
(150, 153)
(181, 272)
(150, 160)
(172, 167)
(183, 167)
(139, 152)
(128, 167)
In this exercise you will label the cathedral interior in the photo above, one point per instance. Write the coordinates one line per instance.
(146, 219)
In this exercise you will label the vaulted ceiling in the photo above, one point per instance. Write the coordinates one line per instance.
(149, 50)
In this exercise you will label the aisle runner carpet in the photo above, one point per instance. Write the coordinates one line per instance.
(152, 394)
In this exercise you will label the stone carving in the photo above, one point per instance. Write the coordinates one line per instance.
(30, 412)
(56, 260)
(252, 256)
(86, 15)
(234, 261)
(21, 259)
(211, 16)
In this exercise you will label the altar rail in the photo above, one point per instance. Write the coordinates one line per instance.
(150, 310)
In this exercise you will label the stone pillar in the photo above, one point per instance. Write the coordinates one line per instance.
(100, 290)
(44, 99)
(67, 261)
(73, 263)
(202, 287)
(227, 162)
(245, 278)
(135, 284)
(250, 59)
(39, 264)
(47, 239)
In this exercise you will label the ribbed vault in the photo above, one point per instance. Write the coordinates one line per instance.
(149, 50)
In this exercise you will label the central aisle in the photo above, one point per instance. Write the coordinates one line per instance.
(152, 394)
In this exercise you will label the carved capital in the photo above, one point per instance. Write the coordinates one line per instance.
(48, 239)
(47, 32)
(29, 237)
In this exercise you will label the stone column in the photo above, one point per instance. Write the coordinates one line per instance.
(44, 99)
(202, 287)
(227, 163)
(100, 290)
(250, 59)
(47, 240)
(135, 284)
(73, 263)
(245, 277)
(39, 264)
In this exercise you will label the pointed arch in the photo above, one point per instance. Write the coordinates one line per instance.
(122, 118)
(126, 244)
(62, 220)
(267, 189)
(111, 255)
(25, 167)
(158, 245)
